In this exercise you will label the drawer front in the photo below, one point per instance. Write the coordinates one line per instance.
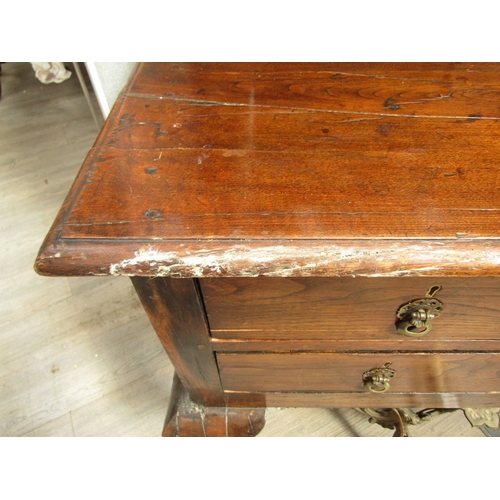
(347, 308)
(321, 372)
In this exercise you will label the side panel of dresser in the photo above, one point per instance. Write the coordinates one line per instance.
(176, 313)
(197, 402)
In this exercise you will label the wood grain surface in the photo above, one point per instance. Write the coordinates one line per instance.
(346, 309)
(186, 418)
(286, 169)
(389, 399)
(319, 372)
(176, 313)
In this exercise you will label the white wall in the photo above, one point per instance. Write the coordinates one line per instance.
(108, 79)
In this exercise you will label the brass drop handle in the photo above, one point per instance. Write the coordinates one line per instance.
(376, 380)
(414, 318)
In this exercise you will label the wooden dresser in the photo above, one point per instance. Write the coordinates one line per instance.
(301, 234)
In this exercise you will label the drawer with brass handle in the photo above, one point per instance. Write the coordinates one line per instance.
(361, 372)
(377, 380)
(397, 310)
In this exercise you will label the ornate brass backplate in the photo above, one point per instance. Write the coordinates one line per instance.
(400, 418)
(414, 318)
(376, 380)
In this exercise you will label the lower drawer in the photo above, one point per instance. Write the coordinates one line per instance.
(343, 372)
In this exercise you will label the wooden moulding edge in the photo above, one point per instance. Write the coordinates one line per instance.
(288, 258)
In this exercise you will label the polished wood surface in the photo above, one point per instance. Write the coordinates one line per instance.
(289, 170)
(406, 344)
(351, 400)
(320, 372)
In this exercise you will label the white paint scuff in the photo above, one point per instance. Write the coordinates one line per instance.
(294, 260)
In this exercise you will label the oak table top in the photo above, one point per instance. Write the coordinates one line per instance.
(289, 169)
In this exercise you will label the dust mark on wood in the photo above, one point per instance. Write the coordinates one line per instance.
(391, 103)
(385, 129)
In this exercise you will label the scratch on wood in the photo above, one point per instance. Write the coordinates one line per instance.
(227, 422)
(394, 259)
(389, 77)
(388, 103)
(421, 101)
(360, 120)
(251, 424)
(202, 414)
